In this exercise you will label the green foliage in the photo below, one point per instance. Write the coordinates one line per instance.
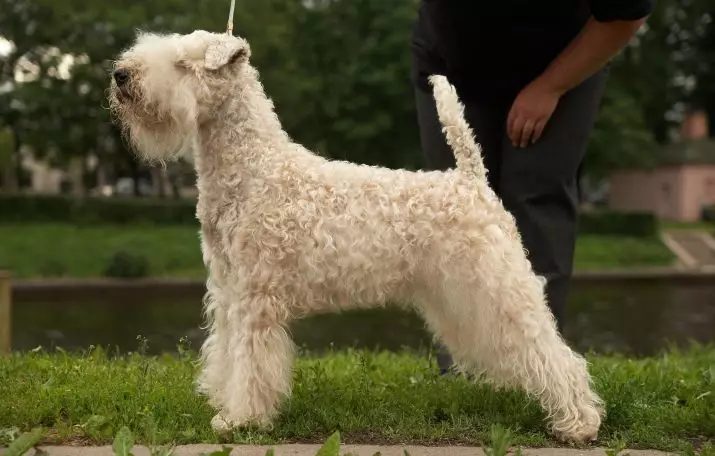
(123, 442)
(224, 451)
(621, 138)
(612, 223)
(127, 265)
(66, 250)
(708, 214)
(24, 442)
(347, 93)
(331, 447)
(338, 72)
(617, 449)
(117, 211)
(500, 438)
(6, 148)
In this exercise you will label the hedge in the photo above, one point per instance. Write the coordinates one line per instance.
(708, 214)
(116, 211)
(23, 208)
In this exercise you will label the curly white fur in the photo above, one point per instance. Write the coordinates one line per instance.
(286, 233)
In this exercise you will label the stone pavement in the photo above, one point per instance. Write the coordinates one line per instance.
(355, 450)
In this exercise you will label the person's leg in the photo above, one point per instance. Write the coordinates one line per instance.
(488, 127)
(538, 185)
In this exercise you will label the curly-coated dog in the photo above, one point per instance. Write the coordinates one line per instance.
(286, 233)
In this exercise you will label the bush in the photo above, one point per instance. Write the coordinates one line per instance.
(127, 265)
(52, 268)
(123, 211)
(611, 223)
(708, 214)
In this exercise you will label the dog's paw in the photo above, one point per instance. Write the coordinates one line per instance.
(581, 436)
(582, 428)
(220, 424)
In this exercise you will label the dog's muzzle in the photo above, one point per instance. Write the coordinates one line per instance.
(121, 79)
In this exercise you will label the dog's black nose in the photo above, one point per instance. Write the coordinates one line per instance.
(121, 76)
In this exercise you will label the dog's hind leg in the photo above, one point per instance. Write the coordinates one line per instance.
(258, 364)
(501, 327)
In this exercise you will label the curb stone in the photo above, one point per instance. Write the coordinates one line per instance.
(353, 450)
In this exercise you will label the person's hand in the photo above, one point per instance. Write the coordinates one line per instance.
(530, 113)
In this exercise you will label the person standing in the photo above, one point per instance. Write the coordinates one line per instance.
(531, 75)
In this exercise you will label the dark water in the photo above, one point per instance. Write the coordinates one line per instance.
(633, 316)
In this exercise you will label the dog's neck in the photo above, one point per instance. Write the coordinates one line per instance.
(240, 140)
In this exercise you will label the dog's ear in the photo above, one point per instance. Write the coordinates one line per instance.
(228, 51)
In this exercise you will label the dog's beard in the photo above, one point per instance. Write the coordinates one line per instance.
(158, 136)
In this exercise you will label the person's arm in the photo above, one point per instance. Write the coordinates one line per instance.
(605, 34)
(591, 50)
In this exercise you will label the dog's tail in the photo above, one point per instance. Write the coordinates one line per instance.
(458, 133)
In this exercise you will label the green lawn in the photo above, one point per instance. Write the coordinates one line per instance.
(701, 226)
(57, 250)
(666, 402)
(608, 252)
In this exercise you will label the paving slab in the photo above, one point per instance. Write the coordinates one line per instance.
(354, 450)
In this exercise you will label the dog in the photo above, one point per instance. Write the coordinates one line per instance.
(286, 233)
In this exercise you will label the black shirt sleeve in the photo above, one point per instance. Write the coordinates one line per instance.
(624, 10)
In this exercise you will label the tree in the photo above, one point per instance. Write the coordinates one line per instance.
(338, 72)
(649, 84)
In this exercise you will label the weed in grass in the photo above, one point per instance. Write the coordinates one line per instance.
(224, 451)
(123, 442)
(331, 447)
(501, 440)
(24, 442)
(97, 427)
(127, 265)
(7, 435)
(617, 449)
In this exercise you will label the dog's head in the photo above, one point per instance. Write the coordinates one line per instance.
(165, 86)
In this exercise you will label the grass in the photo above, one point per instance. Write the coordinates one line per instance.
(700, 225)
(666, 402)
(58, 249)
(64, 250)
(608, 252)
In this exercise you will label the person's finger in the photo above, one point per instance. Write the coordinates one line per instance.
(538, 130)
(511, 118)
(516, 130)
(526, 133)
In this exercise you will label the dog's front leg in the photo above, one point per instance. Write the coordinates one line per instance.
(258, 364)
(212, 378)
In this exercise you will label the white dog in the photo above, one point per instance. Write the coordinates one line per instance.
(286, 233)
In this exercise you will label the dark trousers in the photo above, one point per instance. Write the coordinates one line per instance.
(537, 184)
